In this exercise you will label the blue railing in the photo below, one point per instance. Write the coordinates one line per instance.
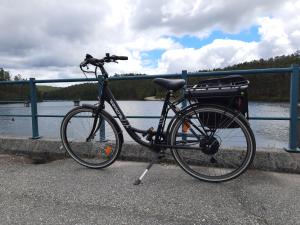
(294, 86)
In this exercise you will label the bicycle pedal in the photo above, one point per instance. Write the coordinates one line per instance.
(149, 134)
(150, 131)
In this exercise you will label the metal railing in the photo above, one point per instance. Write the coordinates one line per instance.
(294, 86)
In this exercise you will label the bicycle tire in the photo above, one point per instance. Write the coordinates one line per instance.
(98, 152)
(209, 151)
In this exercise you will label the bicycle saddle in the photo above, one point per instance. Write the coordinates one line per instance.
(170, 84)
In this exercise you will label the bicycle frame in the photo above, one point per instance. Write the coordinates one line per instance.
(159, 140)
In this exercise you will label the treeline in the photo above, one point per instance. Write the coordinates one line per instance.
(125, 90)
(13, 91)
(267, 87)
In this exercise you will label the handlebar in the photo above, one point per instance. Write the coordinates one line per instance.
(99, 62)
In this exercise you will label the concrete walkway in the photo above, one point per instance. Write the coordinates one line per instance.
(63, 192)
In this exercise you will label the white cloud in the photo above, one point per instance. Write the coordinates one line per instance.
(274, 39)
(279, 34)
(201, 16)
(48, 39)
(218, 54)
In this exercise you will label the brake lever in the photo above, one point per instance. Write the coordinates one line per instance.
(86, 71)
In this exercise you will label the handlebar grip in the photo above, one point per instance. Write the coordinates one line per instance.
(122, 57)
(115, 57)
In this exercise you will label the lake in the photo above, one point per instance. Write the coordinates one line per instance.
(268, 134)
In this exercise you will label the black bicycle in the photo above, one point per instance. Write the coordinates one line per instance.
(211, 142)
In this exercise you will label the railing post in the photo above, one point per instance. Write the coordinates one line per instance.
(102, 125)
(184, 102)
(294, 110)
(184, 76)
(33, 101)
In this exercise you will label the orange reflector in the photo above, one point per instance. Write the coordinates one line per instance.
(186, 126)
(108, 150)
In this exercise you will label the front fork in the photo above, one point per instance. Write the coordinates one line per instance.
(98, 120)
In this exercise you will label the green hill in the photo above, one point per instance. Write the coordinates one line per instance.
(45, 88)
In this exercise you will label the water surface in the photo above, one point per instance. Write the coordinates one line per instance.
(269, 134)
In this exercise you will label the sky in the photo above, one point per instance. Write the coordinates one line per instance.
(47, 39)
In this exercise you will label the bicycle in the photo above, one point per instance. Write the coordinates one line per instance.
(210, 142)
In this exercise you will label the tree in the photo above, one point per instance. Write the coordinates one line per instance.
(4, 75)
(18, 77)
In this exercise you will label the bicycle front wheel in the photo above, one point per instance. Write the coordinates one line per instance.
(91, 139)
(212, 143)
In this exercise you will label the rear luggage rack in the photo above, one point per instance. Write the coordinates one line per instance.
(230, 91)
(217, 87)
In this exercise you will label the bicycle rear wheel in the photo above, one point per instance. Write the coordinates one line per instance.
(212, 143)
(91, 139)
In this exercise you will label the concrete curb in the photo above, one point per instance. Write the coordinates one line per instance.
(47, 150)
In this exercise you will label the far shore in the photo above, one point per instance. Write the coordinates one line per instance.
(153, 98)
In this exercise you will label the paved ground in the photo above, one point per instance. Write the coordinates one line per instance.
(62, 192)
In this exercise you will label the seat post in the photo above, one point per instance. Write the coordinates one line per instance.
(170, 94)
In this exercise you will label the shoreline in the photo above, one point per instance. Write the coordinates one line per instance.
(153, 98)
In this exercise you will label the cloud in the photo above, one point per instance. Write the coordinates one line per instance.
(279, 34)
(39, 29)
(48, 39)
(218, 54)
(200, 17)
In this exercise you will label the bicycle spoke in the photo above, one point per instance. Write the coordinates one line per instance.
(210, 156)
(84, 141)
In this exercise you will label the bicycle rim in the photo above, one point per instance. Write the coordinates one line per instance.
(91, 144)
(212, 144)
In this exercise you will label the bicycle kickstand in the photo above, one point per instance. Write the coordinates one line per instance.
(153, 161)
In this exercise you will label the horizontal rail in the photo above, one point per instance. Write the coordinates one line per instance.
(147, 77)
(15, 82)
(12, 102)
(242, 72)
(145, 117)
